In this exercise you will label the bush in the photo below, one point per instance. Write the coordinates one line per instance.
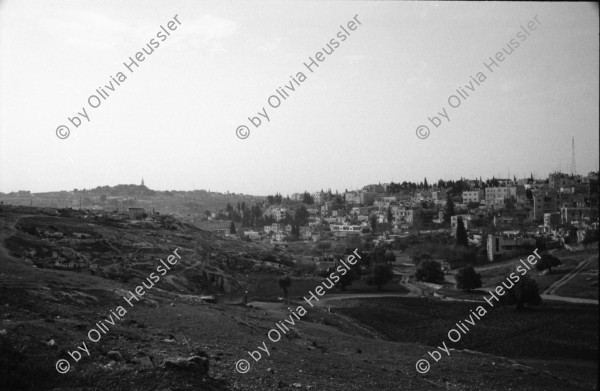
(346, 279)
(548, 261)
(418, 258)
(525, 291)
(467, 279)
(430, 271)
(461, 256)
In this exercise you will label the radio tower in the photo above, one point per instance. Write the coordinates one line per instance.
(573, 168)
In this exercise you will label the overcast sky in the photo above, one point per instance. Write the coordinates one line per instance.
(350, 123)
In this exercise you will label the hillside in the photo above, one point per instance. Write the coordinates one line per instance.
(184, 203)
(172, 340)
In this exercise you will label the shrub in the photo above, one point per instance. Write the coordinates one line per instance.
(548, 261)
(461, 256)
(430, 271)
(467, 279)
(525, 291)
(346, 280)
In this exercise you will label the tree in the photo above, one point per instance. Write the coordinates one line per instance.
(524, 291)
(460, 256)
(418, 258)
(302, 216)
(461, 233)
(467, 279)
(548, 261)
(529, 194)
(380, 275)
(473, 205)
(373, 223)
(232, 228)
(430, 271)
(307, 199)
(382, 254)
(295, 230)
(285, 283)
(449, 210)
(346, 280)
(390, 216)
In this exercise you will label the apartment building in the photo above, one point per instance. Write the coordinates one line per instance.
(472, 196)
(493, 194)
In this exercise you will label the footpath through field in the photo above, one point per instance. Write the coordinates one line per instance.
(548, 294)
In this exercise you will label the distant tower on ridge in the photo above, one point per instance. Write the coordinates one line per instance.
(142, 181)
(573, 168)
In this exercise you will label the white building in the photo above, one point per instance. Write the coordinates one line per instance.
(496, 195)
(252, 235)
(404, 216)
(472, 196)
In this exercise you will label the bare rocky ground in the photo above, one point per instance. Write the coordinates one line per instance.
(45, 313)
(169, 341)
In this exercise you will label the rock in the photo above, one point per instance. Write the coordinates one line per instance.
(51, 342)
(143, 362)
(114, 355)
(194, 363)
(297, 385)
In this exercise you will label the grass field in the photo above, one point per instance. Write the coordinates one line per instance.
(266, 287)
(584, 285)
(548, 332)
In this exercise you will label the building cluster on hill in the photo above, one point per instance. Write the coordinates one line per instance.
(502, 214)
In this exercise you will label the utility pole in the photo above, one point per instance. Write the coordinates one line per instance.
(573, 167)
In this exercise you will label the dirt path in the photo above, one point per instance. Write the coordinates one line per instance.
(495, 265)
(573, 300)
(548, 294)
(557, 284)
(325, 299)
(414, 290)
